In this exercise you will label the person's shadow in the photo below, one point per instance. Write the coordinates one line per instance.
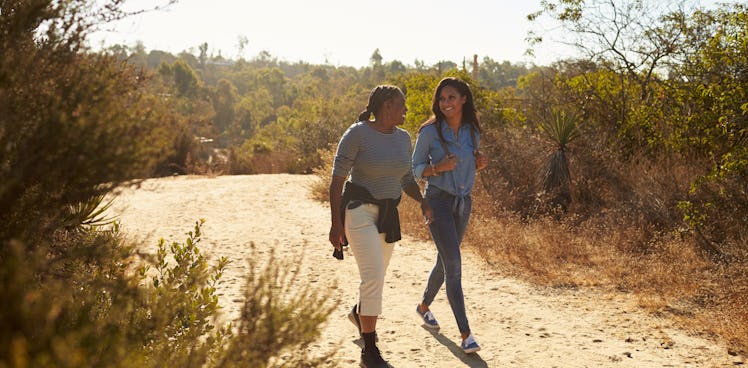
(472, 360)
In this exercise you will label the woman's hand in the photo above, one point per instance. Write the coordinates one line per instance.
(481, 161)
(428, 212)
(448, 163)
(337, 236)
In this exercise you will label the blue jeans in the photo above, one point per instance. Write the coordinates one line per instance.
(451, 215)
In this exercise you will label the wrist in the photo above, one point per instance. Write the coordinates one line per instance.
(433, 170)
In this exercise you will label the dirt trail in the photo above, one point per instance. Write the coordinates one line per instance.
(517, 324)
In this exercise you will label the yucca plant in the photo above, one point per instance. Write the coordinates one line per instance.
(561, 129)
(88, 213)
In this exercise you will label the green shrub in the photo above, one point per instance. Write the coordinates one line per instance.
(278, 320)
(88, 301)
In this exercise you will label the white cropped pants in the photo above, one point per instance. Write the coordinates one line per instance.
(372, 255)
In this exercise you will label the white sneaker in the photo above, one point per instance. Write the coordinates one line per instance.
(429, 321)
(469, 345)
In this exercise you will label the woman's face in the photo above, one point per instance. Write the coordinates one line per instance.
(451, 101)
(396, 109)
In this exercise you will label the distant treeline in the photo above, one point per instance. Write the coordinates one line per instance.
(275, 108)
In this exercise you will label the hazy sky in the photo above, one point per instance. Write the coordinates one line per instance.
(340, 32)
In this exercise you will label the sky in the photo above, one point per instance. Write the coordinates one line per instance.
(340, 32)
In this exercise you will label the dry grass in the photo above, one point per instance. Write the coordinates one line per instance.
(668, 275)
(320, 188)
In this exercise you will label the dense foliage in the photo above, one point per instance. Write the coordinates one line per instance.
(74, 126)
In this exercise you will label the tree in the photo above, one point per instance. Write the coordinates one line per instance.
(54, 149)
(707, 85)
(376, 59)
(623, 35)
(445, 66)
(639, 41)
(396, 67)
(679, 76)
(273, 80)
(708, 118)
(185, 78)
(264, 60)
(495, 75)
(157, 57)
(419, 64)
(203, 58)
(241, 45)
(224, 100)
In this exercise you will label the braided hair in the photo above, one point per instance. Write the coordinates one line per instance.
(377, 97)
(469, 113)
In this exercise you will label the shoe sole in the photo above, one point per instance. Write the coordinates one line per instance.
(362, 365)
(470, 351)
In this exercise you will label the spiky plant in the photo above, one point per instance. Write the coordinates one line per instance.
(89, 213)
(561, 129)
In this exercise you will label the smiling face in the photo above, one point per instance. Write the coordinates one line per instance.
(396, 109)
(451, 102)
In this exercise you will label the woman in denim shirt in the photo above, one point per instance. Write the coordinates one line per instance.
(446, 155)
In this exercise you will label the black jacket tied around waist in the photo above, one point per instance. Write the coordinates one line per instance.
(388, 220)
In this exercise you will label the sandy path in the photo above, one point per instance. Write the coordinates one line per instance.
(518, 325)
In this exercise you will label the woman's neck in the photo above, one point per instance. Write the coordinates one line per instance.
(454, 123)
(382, 127)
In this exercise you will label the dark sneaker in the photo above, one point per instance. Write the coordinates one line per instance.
(469, 345)
(353, 317)
(372, 358)
(428, 319)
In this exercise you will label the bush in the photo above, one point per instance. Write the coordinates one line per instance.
(88, 301)
(74, 126)
(279, 320)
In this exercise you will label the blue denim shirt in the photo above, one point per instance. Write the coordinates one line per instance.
(458, 182)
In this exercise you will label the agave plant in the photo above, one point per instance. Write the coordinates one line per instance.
(561, 129)
(90, 213)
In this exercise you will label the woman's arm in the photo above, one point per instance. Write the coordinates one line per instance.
(337, 232)
(423, 164)
(420, 156)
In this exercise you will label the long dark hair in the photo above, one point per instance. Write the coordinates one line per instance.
(377, 97)
(469, 113)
